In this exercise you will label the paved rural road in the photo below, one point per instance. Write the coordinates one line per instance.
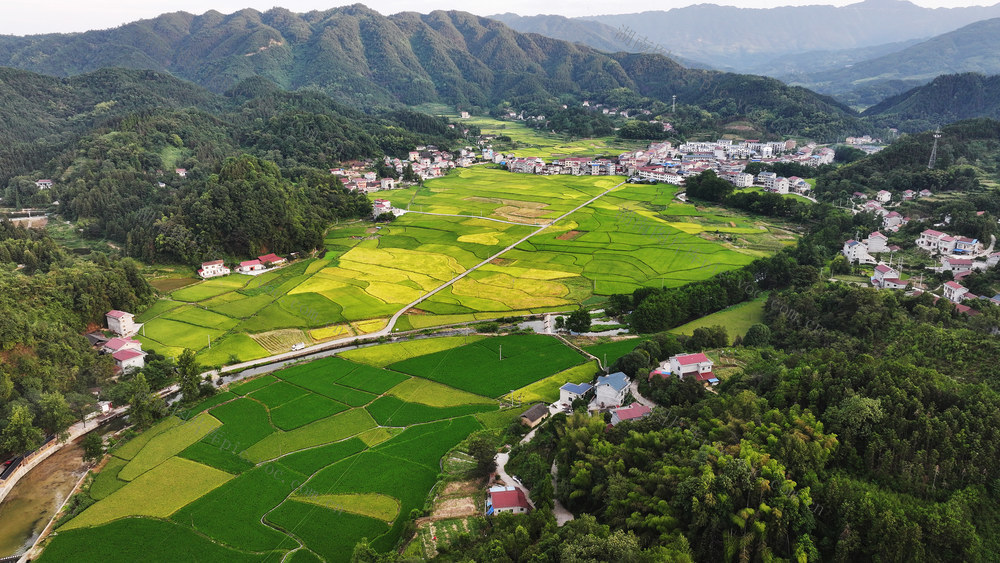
(392, 321)
(501, 460)
(634, 388)
(479, 217)
(558, 510)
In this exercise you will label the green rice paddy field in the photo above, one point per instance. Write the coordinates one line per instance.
(326, 452)
(533, 142)
(636, 235)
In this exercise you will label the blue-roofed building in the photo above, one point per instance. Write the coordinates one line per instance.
(610, 391)
(573, 391)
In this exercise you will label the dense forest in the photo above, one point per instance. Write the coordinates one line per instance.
(255, 162)
(46, 365)
(967, 150)
(948, 98)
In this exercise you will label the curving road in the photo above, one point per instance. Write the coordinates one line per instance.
(392, 321)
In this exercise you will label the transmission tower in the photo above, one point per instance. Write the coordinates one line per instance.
(933, 160)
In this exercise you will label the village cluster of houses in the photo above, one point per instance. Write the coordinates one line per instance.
(891, 220)
(865, 143)
(125, 350)
(255, 267)
(957, 255)
(661, 162)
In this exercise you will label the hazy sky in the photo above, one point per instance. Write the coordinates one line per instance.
(23, 17)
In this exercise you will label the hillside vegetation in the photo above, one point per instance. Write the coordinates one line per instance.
(358, 55)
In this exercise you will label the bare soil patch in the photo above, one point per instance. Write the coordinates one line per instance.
(570, 235)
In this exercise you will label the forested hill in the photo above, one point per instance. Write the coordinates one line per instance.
(356, 54)
(258, 148)
(972, 48)
(41, 114)
(948, 98)
(967, 151)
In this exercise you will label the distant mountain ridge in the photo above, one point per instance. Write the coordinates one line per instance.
(360, 56)
(973, 48)
(591, 33)
(745, 39)
(946, 99)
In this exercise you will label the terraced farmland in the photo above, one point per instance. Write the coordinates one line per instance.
(634, 236)
(325, 452)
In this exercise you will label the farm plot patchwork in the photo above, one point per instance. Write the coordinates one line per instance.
(254, 464)
(520, 198)
(632, 237)
(635, 236)
(495, 366)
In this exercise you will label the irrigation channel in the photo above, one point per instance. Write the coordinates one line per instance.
(36, 498)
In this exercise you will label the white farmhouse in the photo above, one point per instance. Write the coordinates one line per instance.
(573, 391)
(129, 359)
(854, 251)
(955, 291)
(213, 269)
(122, 323)
(250, 266)
(877, 242)
(692, 365)
(610, 391)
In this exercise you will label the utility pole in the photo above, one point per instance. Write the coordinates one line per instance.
(933, 160)
(501, 357)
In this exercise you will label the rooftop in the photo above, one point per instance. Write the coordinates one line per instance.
(617, 380)
(578, 388)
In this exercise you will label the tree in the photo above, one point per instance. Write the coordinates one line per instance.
(634, 363)
(188, 372)
(560, 322)
(93, 446)
(55, 414)
(144, 405)
(757, 336)
(20, 435)
(481, 448)
(579, 320)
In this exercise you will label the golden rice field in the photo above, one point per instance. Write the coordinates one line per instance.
(634, 236)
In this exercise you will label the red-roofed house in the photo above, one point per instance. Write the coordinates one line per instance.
(43, 184)
(892, 220)
(634, 411)
(936, 241)
(506, 499)
(956, 265)
(883, 272)
(118, 343)
(697, 365)
(877, 242)
(954, 291)
(271, 259)
(248, 266)
(122, 323)
(213, 269)
(127, 359)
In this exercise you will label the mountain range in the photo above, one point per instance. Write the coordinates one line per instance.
(744, 38)
(973, 48)
(360, 56)
(946, 99)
